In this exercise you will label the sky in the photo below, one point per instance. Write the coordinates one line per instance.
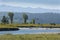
(30, 5)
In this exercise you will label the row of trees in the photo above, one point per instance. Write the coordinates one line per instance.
(5, 19)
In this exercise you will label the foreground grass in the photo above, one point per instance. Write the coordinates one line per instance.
(30, 37)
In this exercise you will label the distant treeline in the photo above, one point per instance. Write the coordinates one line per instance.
(9, 19)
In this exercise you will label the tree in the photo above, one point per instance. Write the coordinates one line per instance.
(10, 14)
(25, 17)
(4, 20)
(52, 23)
(33, 21)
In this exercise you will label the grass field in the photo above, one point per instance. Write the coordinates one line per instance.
(30, 37)
(27, 25)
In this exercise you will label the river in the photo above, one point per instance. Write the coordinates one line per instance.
(32, 31)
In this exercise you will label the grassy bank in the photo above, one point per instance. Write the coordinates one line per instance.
(30, 37)
(29, 25)
(7, 26)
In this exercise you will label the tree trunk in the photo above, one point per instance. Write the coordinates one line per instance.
(11, 21)
(25, 21)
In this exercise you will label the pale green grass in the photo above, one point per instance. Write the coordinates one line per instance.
(27, 25)
(30, 37)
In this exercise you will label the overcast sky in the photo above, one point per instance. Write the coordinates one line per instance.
(43, 4)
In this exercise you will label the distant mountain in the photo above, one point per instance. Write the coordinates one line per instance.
(28, 9)
(39, 17)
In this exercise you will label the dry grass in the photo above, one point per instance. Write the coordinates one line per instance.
(27, 25)
(30, 37)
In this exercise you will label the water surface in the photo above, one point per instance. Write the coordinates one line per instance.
(32, 31)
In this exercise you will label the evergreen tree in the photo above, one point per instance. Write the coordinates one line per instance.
(25, 17)
(10, 14)
(4, 20)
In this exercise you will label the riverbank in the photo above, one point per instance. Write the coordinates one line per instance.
(9, 29)
(29, 26)
(30, 37)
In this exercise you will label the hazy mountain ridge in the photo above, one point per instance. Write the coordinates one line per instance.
(28, 9)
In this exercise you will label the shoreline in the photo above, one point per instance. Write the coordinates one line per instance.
(41, 28)
(9, 29)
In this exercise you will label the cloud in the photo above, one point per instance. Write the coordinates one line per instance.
(32, 5)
